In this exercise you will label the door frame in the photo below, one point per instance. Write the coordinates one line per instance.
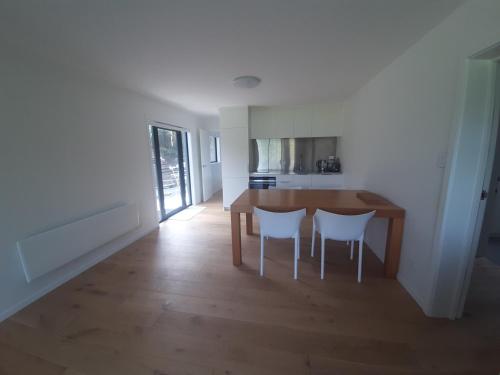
(182, 136)
(461, 195)
(491, 149)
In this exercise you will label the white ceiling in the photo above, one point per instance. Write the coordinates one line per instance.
(188, 51)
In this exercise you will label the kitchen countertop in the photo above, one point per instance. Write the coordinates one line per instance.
(279, 173)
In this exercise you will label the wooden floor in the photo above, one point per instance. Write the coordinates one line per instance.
(172, 303)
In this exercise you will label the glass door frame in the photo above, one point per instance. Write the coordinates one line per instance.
(182, 142)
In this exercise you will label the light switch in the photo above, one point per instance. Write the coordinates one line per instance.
(441, 159)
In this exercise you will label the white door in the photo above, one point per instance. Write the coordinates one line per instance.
(206, 170)
(489, 246)
(486, 226)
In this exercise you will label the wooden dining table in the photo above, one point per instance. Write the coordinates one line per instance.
(347, 202)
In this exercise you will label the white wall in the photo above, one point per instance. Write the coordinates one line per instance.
(211, 123)
(399, 127)
(70, 147)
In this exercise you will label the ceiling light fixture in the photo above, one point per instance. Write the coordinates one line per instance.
(246, 82)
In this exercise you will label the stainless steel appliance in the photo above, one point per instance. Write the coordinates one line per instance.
(262, 182)
(332, 164)
(321, 165)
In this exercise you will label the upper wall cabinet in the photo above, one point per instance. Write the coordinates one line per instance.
(296, 122)
(271, 122)
(282, 122)
(260, 122)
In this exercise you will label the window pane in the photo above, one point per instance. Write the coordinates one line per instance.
(153, 158)
(218, 148)
(213, 149)
(171, 166)
(169, 159)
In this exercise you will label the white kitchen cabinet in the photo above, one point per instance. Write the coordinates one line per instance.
(311, 181)
(271, 122)
(234, 152)
(261, 119)
(293, 181)
(283, 182)
(282, 122)
(330, 181)
(327, 120)
(302, 121)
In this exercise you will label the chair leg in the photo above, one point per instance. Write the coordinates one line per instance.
(296, 256)
(313, 237)
(360, 258)
(352, 250)
(298, 246)
(261, 255)
(322, 257)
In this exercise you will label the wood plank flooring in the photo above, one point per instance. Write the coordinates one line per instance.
(172, 303)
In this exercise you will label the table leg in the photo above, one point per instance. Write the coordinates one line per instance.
(249, 220)
(393, 246)
(236, 237)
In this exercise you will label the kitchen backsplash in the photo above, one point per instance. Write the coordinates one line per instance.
(297, 155)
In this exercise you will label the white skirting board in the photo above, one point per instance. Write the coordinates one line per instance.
(50, 250)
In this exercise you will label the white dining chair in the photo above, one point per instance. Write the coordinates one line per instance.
(341, 228)
(280, 225)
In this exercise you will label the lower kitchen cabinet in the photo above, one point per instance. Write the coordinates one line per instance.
(329, 181)
(333, 181)
(293, 181)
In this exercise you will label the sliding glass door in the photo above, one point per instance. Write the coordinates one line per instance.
(171, 165)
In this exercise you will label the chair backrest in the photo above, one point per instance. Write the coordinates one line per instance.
(279, 224)
(342, 227)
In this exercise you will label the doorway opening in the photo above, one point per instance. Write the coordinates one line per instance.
(170, 159)
(481, 297)
(210, 163)
(467, 174)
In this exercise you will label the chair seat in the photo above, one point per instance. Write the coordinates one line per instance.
(341, 228)
(280, 225)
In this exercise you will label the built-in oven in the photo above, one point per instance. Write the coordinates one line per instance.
(262, 182)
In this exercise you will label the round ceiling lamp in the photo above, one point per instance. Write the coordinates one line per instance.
(246, 82)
